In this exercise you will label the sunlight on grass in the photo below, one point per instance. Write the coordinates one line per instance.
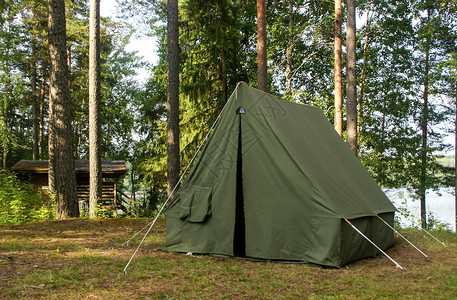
(15, 244)
(70, 267)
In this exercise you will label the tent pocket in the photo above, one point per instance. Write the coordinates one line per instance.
(195, 204)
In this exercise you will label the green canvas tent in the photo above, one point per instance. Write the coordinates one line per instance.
(275, 181)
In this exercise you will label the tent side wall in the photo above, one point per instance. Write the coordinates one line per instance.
(354, 246)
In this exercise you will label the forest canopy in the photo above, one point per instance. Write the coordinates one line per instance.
(404, 50)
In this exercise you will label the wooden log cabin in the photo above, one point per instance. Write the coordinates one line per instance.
(36, 172)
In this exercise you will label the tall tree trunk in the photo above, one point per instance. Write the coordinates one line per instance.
(262, 79)
(51, 140)
(4, 118)
(455, 157)
(173, 159)
(424, 124)
(224, 78)
(380, 170)
(223, 55)
(35, 99)
(338, 122)
(69, 14)
(69, 65)
(361, 86)
(42, 148)
(362, 79)
(351, 90)
(95, 172)
(35, 108)
(61, 153)
(132, 179)
(289, 52)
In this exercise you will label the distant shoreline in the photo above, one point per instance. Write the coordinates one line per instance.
(441, 206)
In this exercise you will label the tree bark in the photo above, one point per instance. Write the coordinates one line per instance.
(43, 91)
(262, 78)
(95, 173)
(132, 179)
(362, 82)
(35, 99)
(69, 65)
(4, 111)
(289, 52)
(380, 172)
(455, 156)
(351, 82)
(424, 124)
(51, 138)
(338, 122)
(224, 78)
(173, 159)
(35, 105)
(61, 160)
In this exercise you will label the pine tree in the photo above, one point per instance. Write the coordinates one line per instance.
(338, 123)
(95, 172)
(262, 77)
(61, 162)
(173, 159)
(351, 82)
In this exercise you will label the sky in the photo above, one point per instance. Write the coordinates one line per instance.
(145, 46)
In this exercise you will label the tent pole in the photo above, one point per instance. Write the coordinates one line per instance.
(355, 228)
(432, 236)
(402, 236)
(151, 224)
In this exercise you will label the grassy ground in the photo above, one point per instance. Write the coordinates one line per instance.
(80, 258)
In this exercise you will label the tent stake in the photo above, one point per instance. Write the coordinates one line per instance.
(355, 228)
(432, 236)
(402, 236)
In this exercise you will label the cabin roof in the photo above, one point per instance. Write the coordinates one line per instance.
(109, 167)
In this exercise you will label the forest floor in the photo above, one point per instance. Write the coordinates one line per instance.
(84, 259)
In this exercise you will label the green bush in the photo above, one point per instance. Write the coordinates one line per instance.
(20, 203)
(103, 213)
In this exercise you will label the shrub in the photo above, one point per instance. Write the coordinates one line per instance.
(20, 203)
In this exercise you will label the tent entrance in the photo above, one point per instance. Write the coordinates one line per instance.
(239, 237)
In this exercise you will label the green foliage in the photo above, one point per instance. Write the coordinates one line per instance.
(102, 212)
(391, 93)
(303, 31)
(435, 224)
(24, 59)
(20, 203)
(13, 96)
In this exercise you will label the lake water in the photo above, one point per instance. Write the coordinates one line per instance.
(441, 206)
